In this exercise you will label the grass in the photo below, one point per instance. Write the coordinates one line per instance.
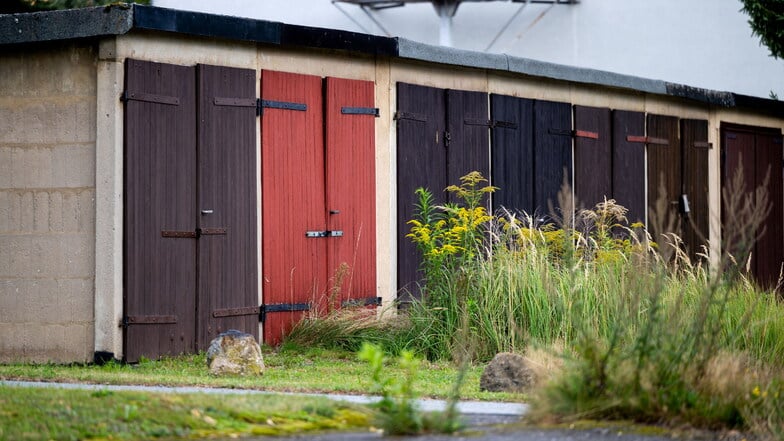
(292, 369)
(56, 414)
(645, 333)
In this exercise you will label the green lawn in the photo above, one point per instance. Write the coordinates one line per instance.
(58, 414)
(306, 370)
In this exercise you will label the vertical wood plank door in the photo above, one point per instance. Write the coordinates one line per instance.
(351, 190)
(159, 205)
(292, 143)
(664, 176)
(228, 271)
(421, 162)
(770, 246)
(592, 156)
(512, 153)
(738, 156)
(628, 164)
(695, 148)
(468, 146)
(552, 155)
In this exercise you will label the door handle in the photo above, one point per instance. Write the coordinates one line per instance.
(203, 212)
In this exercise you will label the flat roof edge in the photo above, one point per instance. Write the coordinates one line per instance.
(206, 25)
(585, 75)
(414, 50)
(65, 25)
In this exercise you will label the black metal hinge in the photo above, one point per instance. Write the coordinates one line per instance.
(400, 115)
(447, 138)
(129, 320)
(360, 111)
(281, 307)
(284, 105)
(504, 124)
(150, 98)
(477, 122)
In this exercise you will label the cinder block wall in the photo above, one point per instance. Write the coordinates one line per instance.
(47, 203)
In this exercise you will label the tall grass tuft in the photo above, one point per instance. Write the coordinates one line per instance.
(646, 332)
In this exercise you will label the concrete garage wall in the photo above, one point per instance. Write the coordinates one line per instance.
(47, 203)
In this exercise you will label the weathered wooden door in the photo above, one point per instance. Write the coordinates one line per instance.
(227, 245)
(531, 154)
(758, 153)
(421, 162)
(693, 204)
(677, 156)
(189, 213)
(159, 269)
(512, 152)
(628, 164)
(351, 183)
(318, 197)
(552, 155)
(592, 156)
(442, 135)
(664, 176)
(293, 206)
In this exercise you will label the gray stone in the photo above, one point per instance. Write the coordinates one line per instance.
(507, 372)
(235, 353)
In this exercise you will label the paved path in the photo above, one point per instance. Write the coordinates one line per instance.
(465, 407)
(487, 421)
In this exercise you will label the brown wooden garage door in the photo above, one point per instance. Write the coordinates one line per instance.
(189, 207)
(758, 152)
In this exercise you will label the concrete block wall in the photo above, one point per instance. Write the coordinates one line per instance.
(47, 203)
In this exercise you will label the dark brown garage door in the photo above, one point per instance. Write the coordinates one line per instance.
(190, 267)
(441, 136)
(757, 151)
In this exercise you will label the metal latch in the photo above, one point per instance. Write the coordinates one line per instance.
(326, 233)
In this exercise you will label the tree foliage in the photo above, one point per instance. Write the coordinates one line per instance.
(766, 18)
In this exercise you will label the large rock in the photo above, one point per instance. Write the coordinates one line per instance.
(507, 372)
(236, 353)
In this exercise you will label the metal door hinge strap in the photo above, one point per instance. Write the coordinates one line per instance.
(284, 105)
(505, 124)
(703, 144)
(179, 234)
(281, 307)
(193, 234)
(647, 140)
(235, 102)
(574, 133)
(363, 301)
(360, 111)
(410, 116)
(324, 233)
(150, 98)
(148, 320)
(477, 122)
(236, 312)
